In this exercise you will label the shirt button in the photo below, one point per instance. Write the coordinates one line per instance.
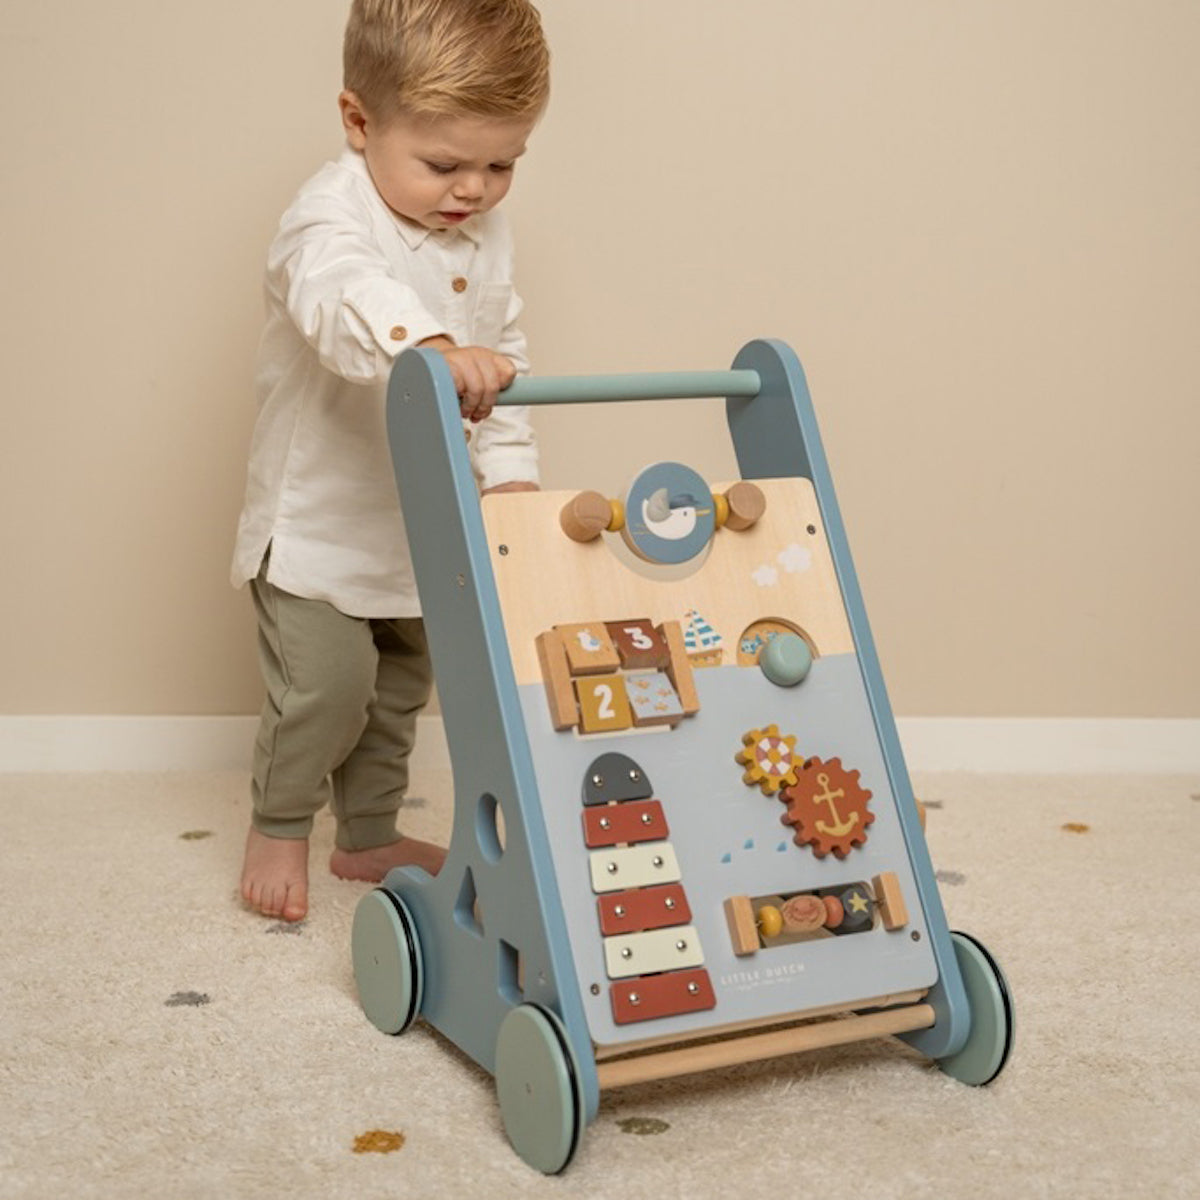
(399, 333)
(459, 284)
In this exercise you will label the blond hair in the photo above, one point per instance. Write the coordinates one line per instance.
(440, 58)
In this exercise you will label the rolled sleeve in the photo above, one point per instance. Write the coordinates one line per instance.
(505, 448)
(340, 291)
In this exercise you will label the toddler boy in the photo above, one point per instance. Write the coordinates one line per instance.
(395, 244)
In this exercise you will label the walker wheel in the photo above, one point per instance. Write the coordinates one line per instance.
(993, 1022)
(539, 1088)
(387, 961)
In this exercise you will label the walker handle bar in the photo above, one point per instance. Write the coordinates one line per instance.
(666, 385)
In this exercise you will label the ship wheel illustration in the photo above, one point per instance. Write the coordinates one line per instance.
(769, 758)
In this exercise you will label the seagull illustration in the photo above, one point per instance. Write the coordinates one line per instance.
(669, 517)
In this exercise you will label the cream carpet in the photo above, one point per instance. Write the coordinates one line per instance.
(158, 1041)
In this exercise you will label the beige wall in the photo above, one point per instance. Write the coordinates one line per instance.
(978, 223)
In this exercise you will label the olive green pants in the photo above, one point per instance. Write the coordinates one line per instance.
(340, 717)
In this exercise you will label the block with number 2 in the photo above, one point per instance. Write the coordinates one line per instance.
(603, 703)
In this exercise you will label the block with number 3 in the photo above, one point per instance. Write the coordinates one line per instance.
(640, 645)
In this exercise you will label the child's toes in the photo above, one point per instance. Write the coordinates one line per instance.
(295, 905)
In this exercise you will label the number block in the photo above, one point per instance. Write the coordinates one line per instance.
(653, 700)
(603, 703)
(640, 646)
(589, 648)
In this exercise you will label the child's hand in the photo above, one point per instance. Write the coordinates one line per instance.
(479, 374)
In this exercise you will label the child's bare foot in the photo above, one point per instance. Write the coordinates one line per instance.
(372, 865)
(275, 876)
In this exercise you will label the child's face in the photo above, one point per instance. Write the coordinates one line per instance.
(437, 172)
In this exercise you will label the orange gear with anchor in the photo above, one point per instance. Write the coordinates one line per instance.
(828, 808)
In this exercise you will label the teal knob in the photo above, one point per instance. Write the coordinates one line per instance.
(786, 659)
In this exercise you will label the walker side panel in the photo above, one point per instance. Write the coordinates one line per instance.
(491, 922)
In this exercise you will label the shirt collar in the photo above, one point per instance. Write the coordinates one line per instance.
(413, 235)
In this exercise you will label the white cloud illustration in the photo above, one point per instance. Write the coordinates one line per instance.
(794, 558)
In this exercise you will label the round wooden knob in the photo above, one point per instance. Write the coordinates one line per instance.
(588, 515)
(786, 660)
(746, 505)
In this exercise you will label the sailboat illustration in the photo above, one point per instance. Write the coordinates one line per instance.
(701, 640)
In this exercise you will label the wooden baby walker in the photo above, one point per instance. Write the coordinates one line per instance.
(684, 834)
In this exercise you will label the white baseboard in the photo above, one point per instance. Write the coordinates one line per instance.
(1052, 745)
(126, 743)
(1016, 745)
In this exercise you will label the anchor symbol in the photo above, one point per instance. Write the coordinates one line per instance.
(837, 826)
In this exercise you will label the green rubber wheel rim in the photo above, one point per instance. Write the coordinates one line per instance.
(993, 1022)
(387, 961)
(538, 1086)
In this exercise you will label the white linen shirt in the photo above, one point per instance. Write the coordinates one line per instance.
(349, 285)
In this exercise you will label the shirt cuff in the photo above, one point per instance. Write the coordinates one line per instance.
(394, 328)
(507, 464)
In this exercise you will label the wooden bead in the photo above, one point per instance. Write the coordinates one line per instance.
(770, 921)
(835, 914)
(746, 505)
(586, 516)
(803, 914)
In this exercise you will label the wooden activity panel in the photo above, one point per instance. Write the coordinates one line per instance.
(684, 835)
(765, 792)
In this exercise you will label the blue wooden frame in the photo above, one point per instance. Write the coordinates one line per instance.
(469, 972)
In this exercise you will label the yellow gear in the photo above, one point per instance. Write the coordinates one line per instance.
(769, 759)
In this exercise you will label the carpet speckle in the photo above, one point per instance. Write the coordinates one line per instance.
(196, 835)
(933, 803)
(953, 878)
(642, 1126)
(378, 1141)
(1076, 827)
(285, 927)
(191, 999)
